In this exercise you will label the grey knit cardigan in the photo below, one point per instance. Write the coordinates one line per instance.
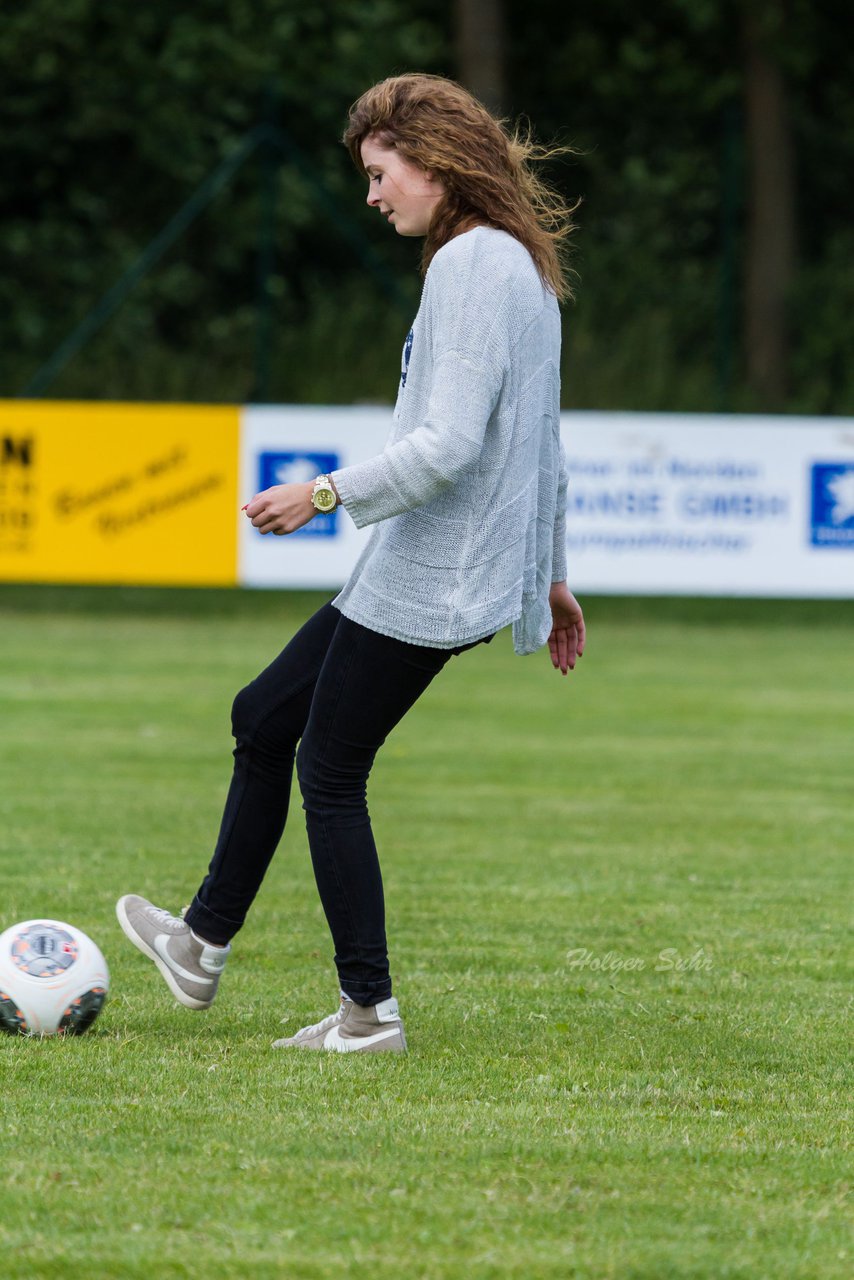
(469, 495)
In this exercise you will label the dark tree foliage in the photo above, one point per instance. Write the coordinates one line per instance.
(653, 96)
(116, 113)
(642, 98)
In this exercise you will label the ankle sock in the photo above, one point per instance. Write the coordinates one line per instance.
(218, 946)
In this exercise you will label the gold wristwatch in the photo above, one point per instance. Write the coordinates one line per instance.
(323, 496)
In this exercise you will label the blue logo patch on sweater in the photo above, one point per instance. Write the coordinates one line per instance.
(298, 468)
(404, 364)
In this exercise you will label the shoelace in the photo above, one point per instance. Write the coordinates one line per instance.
(324, 1024)
(164, 917)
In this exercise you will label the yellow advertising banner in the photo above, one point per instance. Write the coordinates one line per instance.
(118, 493)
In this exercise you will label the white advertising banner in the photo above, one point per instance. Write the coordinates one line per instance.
(684, 504)
(695, 504)
(280, 444)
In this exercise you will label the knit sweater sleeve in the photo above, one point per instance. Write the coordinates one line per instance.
(468, 362)
(559, 550)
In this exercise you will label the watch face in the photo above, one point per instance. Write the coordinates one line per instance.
(324, 500)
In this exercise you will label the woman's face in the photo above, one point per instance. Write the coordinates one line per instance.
(402, 191)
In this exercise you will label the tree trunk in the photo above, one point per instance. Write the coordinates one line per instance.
(479, 40)
(771, 218)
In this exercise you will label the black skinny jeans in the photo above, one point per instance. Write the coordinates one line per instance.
(338, 690)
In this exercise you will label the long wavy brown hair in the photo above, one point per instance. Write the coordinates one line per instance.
(488, 173)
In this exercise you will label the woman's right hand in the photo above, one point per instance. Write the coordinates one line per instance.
(282, 509)
(566, 640)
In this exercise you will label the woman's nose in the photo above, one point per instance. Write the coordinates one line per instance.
(373, 196)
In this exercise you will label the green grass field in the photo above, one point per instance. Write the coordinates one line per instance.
(617, 915)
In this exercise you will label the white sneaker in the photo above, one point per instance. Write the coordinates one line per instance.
(192, 968)
(353, 1028)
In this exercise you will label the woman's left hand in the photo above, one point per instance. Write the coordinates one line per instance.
(282, 509)
(566, 642)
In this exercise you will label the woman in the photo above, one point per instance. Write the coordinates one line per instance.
(468, 504)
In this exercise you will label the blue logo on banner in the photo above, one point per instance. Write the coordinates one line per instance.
(297, 468)
(833, 504)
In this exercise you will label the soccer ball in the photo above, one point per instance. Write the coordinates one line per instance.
(53, 979)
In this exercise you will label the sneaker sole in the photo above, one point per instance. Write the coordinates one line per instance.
(189, 1002)
(351, 1046)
